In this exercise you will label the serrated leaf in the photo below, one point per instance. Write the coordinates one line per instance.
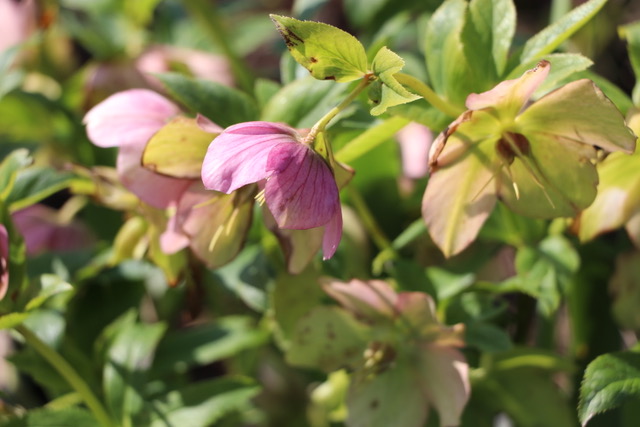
(609, 381)
(178, 149)
(326, 51)
(547, 40)
(327, 338)
(219, 103)
(563, 66)
(204, 403)
(385, 64)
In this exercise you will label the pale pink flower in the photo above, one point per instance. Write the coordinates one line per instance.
(43, 230)
(415, 141)
(17, 21)
(128, 120)
(4, 261)
(299, 186)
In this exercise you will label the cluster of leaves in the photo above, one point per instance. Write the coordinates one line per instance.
(518, 239)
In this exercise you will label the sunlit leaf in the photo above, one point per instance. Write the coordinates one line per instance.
(609, 381)
(385, 64)
(326, 51)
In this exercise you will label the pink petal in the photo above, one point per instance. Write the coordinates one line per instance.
(511, 94)
(17, 21)
(41, 230)
(332, 235)
(173, 239)
(4, 261)
(302, 192)
(445, 380)
(238, 156)
(415, 141)
(129, 117)
(207, 125)
(372, 298)
(154, 189)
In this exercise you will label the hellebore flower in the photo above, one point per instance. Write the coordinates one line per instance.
(417, 357)
(4, 261)
(128, 120)
(538, 159)
(44, 230)
(299, 186)
(415, 141)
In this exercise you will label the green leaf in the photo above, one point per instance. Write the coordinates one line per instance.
(34, 184)
(9, 168)
(302, 102)
(178, 149)
(47, 417)
(624, 287)
(544, 272)
(444, 52)
(129, 357)
(221, 104)
(201, 345)
(327, 338)
(51, 285)
(326, 51)
(487, 35)
(609, 381)
(547, 40)
(204, 403)
(631, 33)
(486, 337)
(247, 276)
(385, 64)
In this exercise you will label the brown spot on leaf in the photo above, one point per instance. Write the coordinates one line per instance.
(313, 59)
(330, 78)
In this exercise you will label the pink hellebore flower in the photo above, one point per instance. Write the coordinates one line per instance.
(4, 261)
(415, 141)
(299, 186)
(43, 230)
(128, 120)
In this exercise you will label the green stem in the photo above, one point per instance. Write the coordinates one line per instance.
(206, 14)
(428, 94)
(68, 373)
(370, 139)
(377, 235)
(324, 121)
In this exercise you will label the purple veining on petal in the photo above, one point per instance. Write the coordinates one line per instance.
(301, 191)
(238, 156)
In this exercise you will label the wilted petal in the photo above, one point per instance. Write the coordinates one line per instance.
(510, 96)
(154, 189)
(238, 156)
(580, 112)
(301, 191)
(369, 299)
(444, 375)
(4, 261)
(129, 117)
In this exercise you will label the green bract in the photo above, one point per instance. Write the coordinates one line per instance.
(326, 51)
(385, 65)
(537, 159)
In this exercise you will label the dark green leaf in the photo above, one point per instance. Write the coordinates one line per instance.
(221, 104)
(9, 168)
(34, 184)
(45, 417)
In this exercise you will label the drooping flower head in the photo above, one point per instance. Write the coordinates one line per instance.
(537, 158)
(299, 186)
